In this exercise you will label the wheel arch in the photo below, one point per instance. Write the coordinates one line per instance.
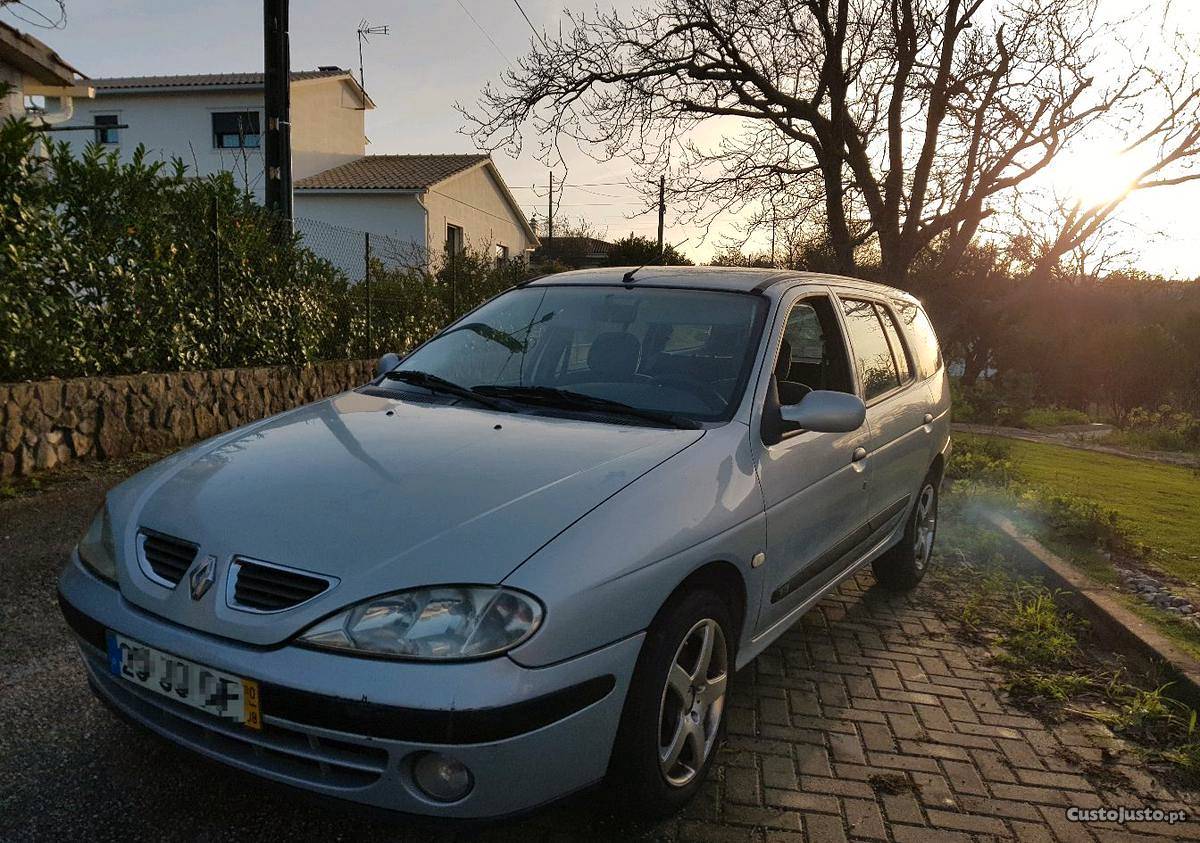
(726, 581)
(938, 468)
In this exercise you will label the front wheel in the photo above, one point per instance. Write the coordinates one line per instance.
(674, 711)
(902, 567)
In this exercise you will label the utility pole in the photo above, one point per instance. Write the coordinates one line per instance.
(277, 151)
(773, 264)
(662, 213)
(550, 216)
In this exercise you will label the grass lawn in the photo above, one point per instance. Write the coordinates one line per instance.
(1159, 505)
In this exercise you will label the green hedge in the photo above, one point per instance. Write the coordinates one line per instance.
(109, 267)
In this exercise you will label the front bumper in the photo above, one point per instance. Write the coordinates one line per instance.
(349, 727)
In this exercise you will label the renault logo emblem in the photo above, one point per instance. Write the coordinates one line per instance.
(202, 578)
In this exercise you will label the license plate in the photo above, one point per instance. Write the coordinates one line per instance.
(221, 694)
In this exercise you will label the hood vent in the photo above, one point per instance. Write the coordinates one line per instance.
(165, 559)
(262, 587)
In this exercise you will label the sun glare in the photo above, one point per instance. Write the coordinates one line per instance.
(1095, 178)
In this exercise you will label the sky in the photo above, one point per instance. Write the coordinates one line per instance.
(444, 51)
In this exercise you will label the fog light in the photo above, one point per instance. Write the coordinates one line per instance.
(441, 777)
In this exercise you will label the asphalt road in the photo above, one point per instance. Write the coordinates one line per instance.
(70, 769)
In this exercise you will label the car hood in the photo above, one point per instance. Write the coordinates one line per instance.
(377, 494)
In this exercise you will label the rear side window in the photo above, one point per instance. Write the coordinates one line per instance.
(872, 354)
(893, 335)
(922, 340)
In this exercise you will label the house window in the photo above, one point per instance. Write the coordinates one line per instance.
(106, 129)
(501, 254)
(454, 240)
(235, 130)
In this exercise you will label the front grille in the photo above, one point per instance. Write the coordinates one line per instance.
(168, 557)
(268, 588)
(280, 748)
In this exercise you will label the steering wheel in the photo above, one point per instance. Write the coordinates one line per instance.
(706, 393)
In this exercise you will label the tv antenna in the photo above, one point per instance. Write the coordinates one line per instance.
(365, 30)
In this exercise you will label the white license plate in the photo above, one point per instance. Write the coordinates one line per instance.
(222, 694)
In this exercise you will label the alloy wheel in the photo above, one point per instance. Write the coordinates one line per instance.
(926, 523)
(693, 700)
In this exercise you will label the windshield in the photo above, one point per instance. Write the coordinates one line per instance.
(681, 352)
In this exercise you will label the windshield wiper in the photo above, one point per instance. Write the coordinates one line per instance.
(435, 383)
(566, 399)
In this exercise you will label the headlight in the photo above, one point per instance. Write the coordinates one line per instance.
(97, 550)
(434, 624)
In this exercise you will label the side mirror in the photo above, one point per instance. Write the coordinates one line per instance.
(825, 411)
(386, 363)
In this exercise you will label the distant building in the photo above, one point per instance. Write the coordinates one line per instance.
(214, 122)
(575, 252)
(425, 203)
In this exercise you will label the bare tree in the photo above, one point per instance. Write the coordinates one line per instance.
(893, 124)
(1170, 149)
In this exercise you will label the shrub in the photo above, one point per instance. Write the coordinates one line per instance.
(1076, 518)
(982, 459)
(410, 303)
(983, 402)
(109, 267)
(1164, 429)
(1047, 417)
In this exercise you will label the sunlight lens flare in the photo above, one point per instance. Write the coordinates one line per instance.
(1096, 178)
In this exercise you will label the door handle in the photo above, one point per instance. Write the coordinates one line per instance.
(859, 455)
(929, 418)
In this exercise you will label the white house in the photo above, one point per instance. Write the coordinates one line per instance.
(214, 121)
(421, 204)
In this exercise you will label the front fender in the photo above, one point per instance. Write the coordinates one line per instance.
(606, 577)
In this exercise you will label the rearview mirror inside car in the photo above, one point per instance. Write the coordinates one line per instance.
(825, 411)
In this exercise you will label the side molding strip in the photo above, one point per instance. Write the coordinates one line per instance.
(850, 546)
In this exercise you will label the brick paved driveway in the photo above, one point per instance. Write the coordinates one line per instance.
(873, 719)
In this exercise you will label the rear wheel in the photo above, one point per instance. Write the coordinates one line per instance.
(674, 711)
(903, 566)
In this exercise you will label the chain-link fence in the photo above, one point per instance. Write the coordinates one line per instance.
(398, 292)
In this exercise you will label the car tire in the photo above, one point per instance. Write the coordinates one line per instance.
(903, 566)
(674, 710)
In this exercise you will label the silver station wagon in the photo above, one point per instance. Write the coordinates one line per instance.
(529, 556)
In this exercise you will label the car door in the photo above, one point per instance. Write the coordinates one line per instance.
(898, 409)
(814, 484)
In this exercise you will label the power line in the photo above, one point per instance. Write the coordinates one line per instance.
(594, 205)
(486, 34)
(531, 26)
(577, 184)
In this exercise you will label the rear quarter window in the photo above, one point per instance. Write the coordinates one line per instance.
(923, 342)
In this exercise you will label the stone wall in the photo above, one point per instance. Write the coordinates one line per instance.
(47, 423)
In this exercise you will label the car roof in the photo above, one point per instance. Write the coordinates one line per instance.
(721, 278)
